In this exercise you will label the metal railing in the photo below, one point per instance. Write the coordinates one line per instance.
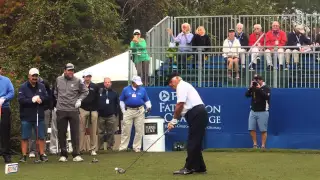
(210, 68)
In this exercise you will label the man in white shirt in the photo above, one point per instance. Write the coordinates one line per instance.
(190, 105)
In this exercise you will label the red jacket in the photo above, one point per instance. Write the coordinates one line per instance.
(253, 38)
(271, 38)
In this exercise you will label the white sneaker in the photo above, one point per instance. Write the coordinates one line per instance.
(78, 159)
(32, 155)
(137, 150)
(93, 153)
(63, 159)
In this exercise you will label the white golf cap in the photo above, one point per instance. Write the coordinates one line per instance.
(34, 71)
(300, 28)
(137, 80)
(87, 73)
(136, 31)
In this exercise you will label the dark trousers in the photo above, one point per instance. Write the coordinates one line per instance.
(197, 119)
(107, 128)
(63, 117)
(5, 131)
(143, 71)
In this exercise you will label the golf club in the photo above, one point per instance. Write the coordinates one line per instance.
(37, 160)
(122, 171)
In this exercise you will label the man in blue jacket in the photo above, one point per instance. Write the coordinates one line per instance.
(32, 99)
(6, 95)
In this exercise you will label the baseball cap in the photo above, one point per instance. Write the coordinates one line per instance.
(231, 30)
(300, 28)
(34, 71)
(87, 73)
(257, 77)
(69, 66)
(137, 80)
(170, 76)
(136, 31)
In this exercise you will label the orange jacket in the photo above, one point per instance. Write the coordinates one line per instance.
(271, 38)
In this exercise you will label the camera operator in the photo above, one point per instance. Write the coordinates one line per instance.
(260, 99)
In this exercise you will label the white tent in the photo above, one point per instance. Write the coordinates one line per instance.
(117, 68)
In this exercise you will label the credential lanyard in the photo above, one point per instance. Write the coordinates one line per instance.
(230, 44)
(298, 39)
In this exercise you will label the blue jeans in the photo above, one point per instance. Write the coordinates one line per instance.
(27, 126)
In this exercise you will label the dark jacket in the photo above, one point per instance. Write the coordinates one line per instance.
(317, 40)
(260, 98)
(28, 109)
(113, 107)
(294, 39)
(243, 38)
(48, 104)
(201, 41)
(54, 99)
(90, 103)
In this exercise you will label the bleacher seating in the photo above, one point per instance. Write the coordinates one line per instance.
(214, 71)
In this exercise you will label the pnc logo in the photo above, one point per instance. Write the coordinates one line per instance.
(164, 96)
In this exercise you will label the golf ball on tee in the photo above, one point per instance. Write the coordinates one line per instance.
(116, 169)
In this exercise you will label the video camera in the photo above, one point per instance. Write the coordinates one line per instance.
(254, 83)
(255, 80)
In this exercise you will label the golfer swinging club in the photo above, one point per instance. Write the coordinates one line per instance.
(190, 105)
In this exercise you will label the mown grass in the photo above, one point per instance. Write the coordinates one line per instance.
(222, 164)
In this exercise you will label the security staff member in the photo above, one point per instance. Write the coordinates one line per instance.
(108, 112)
(132, 100)
(260, 100)
(190, 105)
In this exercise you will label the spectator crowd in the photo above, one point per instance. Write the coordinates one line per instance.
(71, 109)
(274, 44)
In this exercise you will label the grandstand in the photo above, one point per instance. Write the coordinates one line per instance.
(212, 72)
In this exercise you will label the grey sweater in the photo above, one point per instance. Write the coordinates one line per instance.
(67, 92)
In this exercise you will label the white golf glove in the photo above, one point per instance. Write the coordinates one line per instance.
(78, 103)
(35, 99)
(2, 99)
(174, 121)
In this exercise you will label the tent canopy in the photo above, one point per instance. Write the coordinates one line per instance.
(116, 68)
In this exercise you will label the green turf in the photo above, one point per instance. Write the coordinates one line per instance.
(240, 165)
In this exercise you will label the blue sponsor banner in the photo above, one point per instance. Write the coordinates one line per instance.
(293, 122)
